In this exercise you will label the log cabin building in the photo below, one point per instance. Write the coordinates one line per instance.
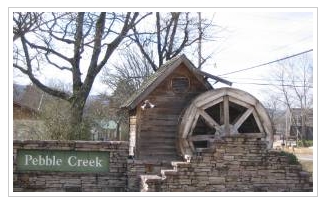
(156, 108)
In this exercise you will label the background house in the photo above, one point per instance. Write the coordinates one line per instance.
(294, 123)
(27, 101)
(288, 126)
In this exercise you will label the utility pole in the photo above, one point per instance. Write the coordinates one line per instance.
(200, 41)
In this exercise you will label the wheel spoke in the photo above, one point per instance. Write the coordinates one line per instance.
(258, 121)
(190, 122)
(226, 115)
(243, 118)
(209, 120)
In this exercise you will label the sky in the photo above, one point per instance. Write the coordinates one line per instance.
(253, 38)
(245, 38)
(249, 37)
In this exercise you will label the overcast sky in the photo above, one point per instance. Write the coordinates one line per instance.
(249, 37)
(253, 38)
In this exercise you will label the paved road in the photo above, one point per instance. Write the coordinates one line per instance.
(305, 157)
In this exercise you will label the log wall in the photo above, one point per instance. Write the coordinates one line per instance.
(157, 127)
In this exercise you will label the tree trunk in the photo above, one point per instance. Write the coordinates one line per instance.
(303, 127)
(78, 129)
(200, 41)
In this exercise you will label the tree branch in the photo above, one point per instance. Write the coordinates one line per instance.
(175, 17)
(113, 45)
(142, 50)
(31, 76)
(55, 65)
(159, 43)
(47, 49)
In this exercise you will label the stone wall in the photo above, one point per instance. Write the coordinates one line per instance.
(137, 168)
(232, 164)
(113, 180)
(239, 163)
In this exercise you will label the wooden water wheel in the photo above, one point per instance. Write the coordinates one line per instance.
(222, 112)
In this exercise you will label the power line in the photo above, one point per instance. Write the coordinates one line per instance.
(267, 63)
(270, 84)
(263, 79)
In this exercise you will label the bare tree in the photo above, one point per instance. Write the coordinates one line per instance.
(76, 43)
(295, 78)
(173, 33)
(24, 23)
(129, 73)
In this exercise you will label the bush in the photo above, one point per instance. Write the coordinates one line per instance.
(305, 143)
(292, 159)
(56, 116)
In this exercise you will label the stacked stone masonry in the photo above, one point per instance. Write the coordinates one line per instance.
(233, 164)
(112, 181)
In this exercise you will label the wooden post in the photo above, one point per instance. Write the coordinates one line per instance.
(118, 131)
(226, 115)
(132, 134)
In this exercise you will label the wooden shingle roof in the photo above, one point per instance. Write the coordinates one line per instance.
(163, 72)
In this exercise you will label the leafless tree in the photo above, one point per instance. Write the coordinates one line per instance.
(173, 33)
(295, 78)
(25, 22)
(129, 72)
(76, 43)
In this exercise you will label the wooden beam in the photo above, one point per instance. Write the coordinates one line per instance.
(209, 120)
(206, 98)
(201, 137)
(196, 117)
(226, 115)
(239, 102)
(259, 124)
(132, 135)
(242, 95)
(207, 75)
(243, 118)
(212, 103)
(188, 121)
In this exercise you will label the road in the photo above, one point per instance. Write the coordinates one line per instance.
(305, 157)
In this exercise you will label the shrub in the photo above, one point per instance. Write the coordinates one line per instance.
(305, 143)
(292, 159)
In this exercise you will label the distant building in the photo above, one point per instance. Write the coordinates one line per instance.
(23, 112)
(288, 125)
(279, 124)
(294, 119)
(27, 101)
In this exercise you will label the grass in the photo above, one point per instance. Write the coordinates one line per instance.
(307, 165)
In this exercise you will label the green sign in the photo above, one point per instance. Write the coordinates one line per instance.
(62, 160)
